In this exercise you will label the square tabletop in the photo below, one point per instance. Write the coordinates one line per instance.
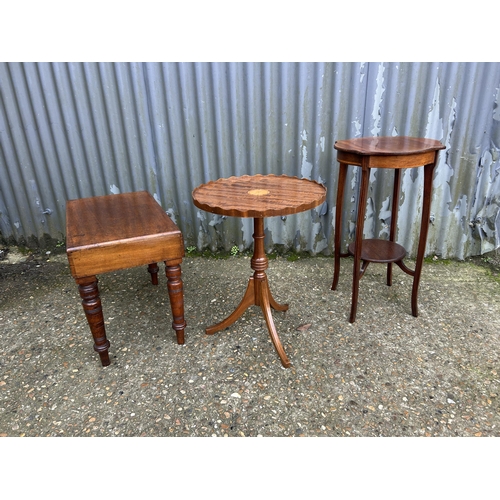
(118, 231)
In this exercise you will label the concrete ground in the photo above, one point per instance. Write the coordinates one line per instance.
(388, 374)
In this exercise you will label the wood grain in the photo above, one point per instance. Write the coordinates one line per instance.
(399, 145)
(259, 195)
(381, 251)
(112, 232)
(119, 231)
(392, 153)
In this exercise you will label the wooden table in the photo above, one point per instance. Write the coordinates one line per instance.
(258, 196)
(390, 153)
(119, 231)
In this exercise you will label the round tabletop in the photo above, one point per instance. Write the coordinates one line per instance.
(259, 195)
(399, 145)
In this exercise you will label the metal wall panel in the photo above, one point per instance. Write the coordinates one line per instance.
(70, 130)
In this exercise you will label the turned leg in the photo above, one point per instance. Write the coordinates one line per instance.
(426, 211)
(251, 297)
(176, 295)
(259, 264)
(338, 223)
(258, 294)
(263, 297)
(357, 271)
(89, 292)
(394, 218)
(153, 270)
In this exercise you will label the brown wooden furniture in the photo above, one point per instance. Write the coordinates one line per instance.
(119, 231)
(258, 196)
(392, 153)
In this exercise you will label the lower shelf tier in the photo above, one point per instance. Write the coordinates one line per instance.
(381, 251)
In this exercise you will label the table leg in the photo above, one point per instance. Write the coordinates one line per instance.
(258, 294)
(176, 296)
(89, 292)
(394, 217)
(247, 301)
(266, 309)
(426, 210)
(153, 270)
(338, 223)
(357, 271)
(273, 303)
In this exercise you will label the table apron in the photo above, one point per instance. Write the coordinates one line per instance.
(388, 161)
(123, 255)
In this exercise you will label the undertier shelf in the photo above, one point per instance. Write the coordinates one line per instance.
(381, 251)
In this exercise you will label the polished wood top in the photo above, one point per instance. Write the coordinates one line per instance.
(115, 217)
(118, 231)
(259, 195)
(369, 146)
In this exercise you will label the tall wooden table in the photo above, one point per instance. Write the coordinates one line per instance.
(118, 231)
(390, 153)
(258, 196)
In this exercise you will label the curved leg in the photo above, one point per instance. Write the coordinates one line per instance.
(153, 270)
(266, 309)
(176, 296)
(89, 292)
(364, 265)
(257, 294)
(357, 272)
(338, 224)
(273, 303)
(404, 268)
(247, 301)
(426, 209)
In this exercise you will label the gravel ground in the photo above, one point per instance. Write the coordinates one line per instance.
(388, 374)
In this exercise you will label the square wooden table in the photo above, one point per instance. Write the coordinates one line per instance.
(120, 231)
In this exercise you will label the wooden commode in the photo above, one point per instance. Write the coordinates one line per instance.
(120, 231)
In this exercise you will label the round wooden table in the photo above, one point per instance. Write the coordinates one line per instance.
(390, 153)
(258, 196)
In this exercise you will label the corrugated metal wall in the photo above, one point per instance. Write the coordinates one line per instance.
(70, 130)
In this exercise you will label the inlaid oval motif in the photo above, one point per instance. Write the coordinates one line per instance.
(258, 192)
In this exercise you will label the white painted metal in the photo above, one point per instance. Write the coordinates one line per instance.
(70, 130)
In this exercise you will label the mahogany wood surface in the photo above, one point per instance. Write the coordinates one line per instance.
(91, 302)
(380, 251)
(387, 152)
(113, 232)
(119, 231)
(258, 196)
(383, 152)
(388, 146)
